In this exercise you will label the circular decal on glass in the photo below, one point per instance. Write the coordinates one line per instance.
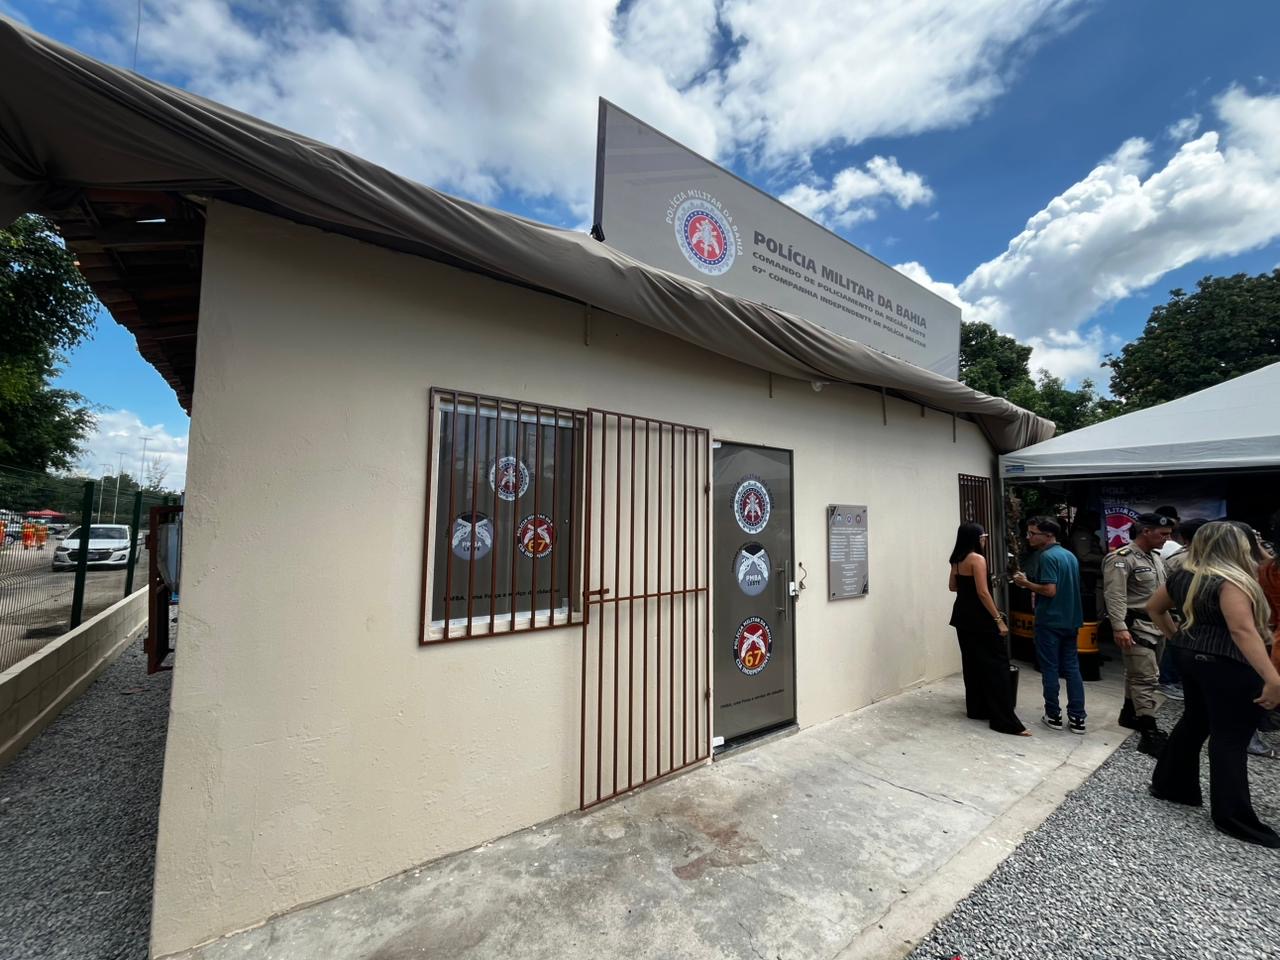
(509, 477)
(535, 536)
(752, 505)
(752, 646)
(471, 537)
(751, 567)
(705, 236)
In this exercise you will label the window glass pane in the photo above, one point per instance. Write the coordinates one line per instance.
(505, 527)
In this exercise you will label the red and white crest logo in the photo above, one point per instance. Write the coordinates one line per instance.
(1119, 520)
(752, 646)
(705, 236)
(535, 536)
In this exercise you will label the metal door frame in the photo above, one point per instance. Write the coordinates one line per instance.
(793, 601)
(694, 581)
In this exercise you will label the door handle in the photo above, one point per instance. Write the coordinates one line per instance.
(780, 591)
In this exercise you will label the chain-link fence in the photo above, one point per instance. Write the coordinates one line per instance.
(70, 549)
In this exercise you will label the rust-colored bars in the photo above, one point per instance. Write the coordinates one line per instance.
(448, 558)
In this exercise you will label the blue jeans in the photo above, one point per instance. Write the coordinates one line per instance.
(1056, 651)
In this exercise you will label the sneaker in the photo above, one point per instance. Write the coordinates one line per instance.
(1053, 723)
(1172, 690)
(1076, 725)
(1259, 747)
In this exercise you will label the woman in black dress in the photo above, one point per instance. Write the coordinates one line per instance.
(981, 630)
(1222, 653)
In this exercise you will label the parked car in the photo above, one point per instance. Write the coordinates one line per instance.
(108, 547)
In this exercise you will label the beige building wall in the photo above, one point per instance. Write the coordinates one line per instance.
(313, 745)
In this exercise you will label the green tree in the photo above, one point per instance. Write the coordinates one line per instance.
(1069, 409)
(1230, 326)
(997, 364)
(46, 308)
(991, 361)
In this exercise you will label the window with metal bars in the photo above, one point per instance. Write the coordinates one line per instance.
(504, 508)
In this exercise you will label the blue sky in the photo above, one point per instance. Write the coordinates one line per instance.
(1055, 166)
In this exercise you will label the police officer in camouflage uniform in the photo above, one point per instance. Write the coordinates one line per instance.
(1130, 575)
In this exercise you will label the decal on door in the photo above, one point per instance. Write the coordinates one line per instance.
(752, 504)
(752, 646)
(751, 568)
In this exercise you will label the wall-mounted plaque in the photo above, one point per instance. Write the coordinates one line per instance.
(846, 551)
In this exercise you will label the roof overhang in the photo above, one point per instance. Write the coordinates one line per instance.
(117, 160)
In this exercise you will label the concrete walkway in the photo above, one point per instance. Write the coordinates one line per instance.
(846, 840)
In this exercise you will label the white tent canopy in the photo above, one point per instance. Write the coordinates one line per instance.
(1233, 425)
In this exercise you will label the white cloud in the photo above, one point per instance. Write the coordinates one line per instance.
(811, 73)
(1184, 129)
(853, 191)
(1124, 226)
(494, 96)
(117, 440)
(1071, 355)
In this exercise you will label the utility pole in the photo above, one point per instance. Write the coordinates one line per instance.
(105, 467)
(119, 470)
(142, 467)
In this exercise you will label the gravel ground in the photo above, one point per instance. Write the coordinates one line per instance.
(78, 822)
(1114, 873)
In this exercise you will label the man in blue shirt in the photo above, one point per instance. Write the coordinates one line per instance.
(1054, 577)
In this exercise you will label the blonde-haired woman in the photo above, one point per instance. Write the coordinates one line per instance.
(1225, 670)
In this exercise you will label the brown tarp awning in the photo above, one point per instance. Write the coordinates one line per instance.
(69, 123)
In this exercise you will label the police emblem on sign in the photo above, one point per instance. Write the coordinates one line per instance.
(751, 567)
(705, 236)
(752, 505)
(509, 477)
(752, 646)
(471, 537)
(535, 536)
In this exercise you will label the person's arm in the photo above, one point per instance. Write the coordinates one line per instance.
(1237, 610)
(1047, 570)
(1115, 593)
(1158, 608)
(984, 592)
(951, 580)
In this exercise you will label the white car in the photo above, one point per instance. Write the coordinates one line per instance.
(108, 547)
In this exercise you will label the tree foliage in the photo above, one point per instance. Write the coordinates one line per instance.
(46, 308)
(999, 365)
(1230, 326)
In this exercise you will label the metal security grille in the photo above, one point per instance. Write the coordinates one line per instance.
(503, 503)
(646, 627)
(975, 502)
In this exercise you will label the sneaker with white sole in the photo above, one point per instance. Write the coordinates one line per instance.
(1053, 723)
(1172, 690)
(1076, 725)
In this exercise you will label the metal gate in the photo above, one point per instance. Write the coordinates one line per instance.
(646, 624)
(975, 504)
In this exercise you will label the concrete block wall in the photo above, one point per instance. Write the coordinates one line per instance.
(35, 690)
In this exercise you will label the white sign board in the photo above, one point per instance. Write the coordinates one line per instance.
(663, 204)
